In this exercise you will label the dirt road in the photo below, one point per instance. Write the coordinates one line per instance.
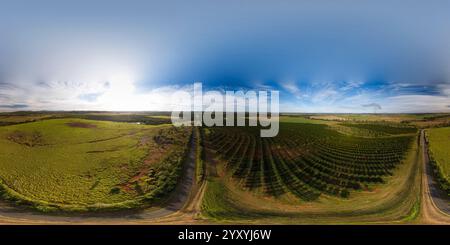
(181, 198)
(435, 208)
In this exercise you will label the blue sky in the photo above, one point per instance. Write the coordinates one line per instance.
(323, 56)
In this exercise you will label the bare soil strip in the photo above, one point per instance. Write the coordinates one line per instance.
(81, 125)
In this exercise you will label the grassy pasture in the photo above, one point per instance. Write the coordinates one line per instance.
(148, 118)
(439, 148)
(77, 164)
(10, 119)
(143, 118)
(301, 119)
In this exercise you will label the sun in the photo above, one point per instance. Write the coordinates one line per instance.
(122, 95)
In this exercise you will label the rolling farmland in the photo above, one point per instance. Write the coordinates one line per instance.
(308, 160)
(313, 171)
(85, 165)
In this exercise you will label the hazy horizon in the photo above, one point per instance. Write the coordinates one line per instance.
(162, 111)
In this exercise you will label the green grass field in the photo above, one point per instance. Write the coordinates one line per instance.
(15, 118)
(439, 139)
(76, 164)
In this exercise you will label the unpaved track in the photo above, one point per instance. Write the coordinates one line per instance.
(435, 207)
(173, 208)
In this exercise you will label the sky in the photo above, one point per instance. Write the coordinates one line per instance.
(324, 56)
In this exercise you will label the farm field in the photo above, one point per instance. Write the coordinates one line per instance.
(307, 160)
(367, 117)
(15, 118)
(82, 165)
(439, 148)
(313, 172)
(375, 117)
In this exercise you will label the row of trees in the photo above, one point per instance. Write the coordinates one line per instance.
(307, 164)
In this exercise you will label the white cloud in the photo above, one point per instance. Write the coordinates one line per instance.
(292, 88)
(328, 98)
(111, 95)
(325, 95)
(444, 89)
(417, 103)
(351, 85)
